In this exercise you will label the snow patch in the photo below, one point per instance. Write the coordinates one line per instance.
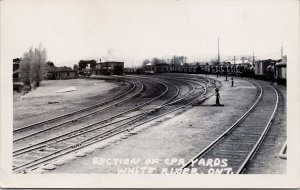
(69, 89)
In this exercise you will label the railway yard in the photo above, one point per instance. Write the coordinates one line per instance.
(162, 124)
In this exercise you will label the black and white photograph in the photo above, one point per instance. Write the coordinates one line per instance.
(174, 89)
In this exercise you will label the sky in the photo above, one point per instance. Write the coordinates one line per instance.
(133, 30)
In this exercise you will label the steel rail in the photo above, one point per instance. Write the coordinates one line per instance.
(75, 112)
(102, 139)
(95, 123)
(188, 94)
(225, 133)
(261, 138)
(37, 161)
(183, 80)
(80, 117)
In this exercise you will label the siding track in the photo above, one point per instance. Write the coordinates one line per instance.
(240, 142)
(42, 153)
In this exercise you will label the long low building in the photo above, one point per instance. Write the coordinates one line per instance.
(58, 73)
(63, 74)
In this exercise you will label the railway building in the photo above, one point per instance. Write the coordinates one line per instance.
(58, 73)
(111, 68)
(91, 67)
(174, 68)
(17, 84)
(85, 67)
(16, 69)
(264, 68)
(280, 70)
(161, 68)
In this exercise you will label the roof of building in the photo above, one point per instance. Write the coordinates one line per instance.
(61, 69)
(280, 64)
(17, 60)
(16, 71)
(112, 62)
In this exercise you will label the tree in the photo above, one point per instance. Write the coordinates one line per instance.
(145, 62)
(83, 64)
(75, 67)
(214, 61)
(155, 61)
(50, 64)
(243, 58)
(25, 67)
(178, 60)
(32, 66)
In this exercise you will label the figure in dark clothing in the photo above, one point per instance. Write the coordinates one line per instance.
(217, 97)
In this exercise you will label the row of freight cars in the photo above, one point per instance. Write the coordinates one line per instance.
(263, 69)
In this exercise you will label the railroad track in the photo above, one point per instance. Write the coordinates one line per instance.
(32, 156)
(196, 88)
(85, 127)
(83, 114)
(133, 86)
(232, 151)
(89, 129)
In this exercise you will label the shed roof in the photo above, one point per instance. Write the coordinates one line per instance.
(280, 64)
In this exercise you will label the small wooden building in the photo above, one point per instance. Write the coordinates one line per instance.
(17, 84)
(58, 73)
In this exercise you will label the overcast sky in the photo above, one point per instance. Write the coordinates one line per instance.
(125, 29)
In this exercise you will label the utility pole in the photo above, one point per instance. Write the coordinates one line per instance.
(218, 58)
(253, 60)
(218, 52)
(281, 50)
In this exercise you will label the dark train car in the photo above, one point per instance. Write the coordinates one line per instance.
(134, 71)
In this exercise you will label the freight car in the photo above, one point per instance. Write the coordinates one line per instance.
(272, 70)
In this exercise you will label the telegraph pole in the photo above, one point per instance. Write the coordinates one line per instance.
(281, 50)
(218, 58)
(253, 60)
(218, 52)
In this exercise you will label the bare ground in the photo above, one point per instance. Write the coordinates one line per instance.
(44, 102)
